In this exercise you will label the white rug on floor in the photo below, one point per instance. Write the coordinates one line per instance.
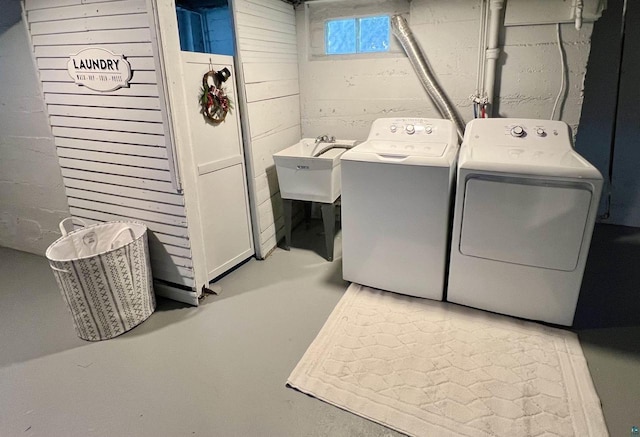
(428, 368)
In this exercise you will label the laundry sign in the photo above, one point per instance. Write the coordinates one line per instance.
(99, 69)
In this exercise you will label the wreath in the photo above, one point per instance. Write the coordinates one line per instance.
(214, 102)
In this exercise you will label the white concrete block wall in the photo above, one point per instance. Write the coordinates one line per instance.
(531, 71)
(32, 196)
(343, 96)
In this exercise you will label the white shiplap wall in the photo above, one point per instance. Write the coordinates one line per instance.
(111, 146)
(270, 97)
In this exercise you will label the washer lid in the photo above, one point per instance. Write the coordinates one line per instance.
(401, 148)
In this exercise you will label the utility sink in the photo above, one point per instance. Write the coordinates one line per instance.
(310, 169)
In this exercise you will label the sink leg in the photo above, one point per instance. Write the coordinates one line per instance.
(329, 221)
(287, 209)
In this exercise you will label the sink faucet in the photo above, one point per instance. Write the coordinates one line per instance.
(325, 139)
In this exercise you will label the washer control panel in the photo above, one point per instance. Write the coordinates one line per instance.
(543, 134)
(517, 131)
(523, 130)
(520, 131)
(414, 130)
(410, 128)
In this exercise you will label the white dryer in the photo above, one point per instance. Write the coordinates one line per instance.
(525, 208)
(396, 196)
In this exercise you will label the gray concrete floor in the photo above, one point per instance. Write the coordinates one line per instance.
(216, 370)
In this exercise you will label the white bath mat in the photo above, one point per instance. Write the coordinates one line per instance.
(429, 368)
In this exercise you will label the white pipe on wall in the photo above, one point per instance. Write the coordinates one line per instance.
(493, 51)
(578, 7)
(482, 38)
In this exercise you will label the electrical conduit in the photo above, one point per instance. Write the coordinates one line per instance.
(427, 78)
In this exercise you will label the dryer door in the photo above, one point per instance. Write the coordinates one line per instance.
(524, 221)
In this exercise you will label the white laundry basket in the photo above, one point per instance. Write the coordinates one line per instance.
(104, 274)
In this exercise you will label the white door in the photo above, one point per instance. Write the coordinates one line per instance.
(219, 160)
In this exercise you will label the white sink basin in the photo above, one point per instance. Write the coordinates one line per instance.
(304, 176)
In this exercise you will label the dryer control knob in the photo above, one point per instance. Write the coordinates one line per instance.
(410, 129)
(540, 132)
(517, 131)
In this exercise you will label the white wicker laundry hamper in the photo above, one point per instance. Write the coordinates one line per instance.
(104, 274)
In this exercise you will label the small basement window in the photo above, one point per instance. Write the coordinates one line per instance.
(353, 29)
(357, 35)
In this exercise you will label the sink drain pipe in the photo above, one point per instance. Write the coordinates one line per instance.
(493, 52)
(427, 78)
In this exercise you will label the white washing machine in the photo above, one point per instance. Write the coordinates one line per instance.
(396, 196)
(525, 208)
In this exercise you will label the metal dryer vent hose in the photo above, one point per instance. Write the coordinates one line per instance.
(427, 78)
